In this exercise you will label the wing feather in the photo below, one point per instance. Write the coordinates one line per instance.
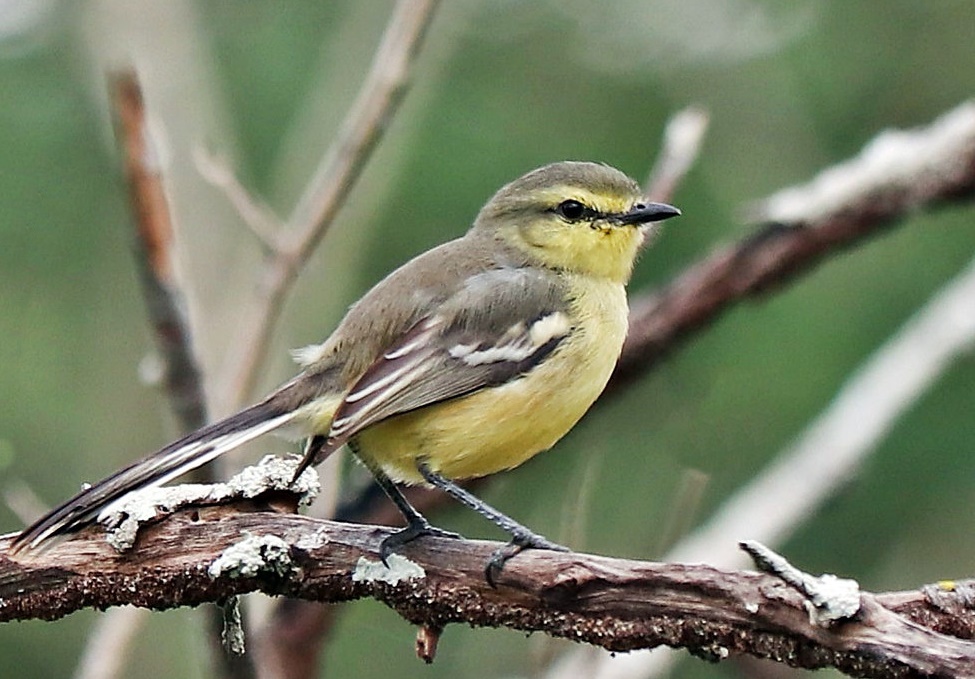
(497, 328)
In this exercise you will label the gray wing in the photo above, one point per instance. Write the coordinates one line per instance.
(499, 326)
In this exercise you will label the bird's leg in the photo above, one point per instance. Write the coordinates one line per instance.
(522, 537)
(416, 524)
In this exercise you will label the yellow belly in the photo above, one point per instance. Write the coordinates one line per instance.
(496, 429)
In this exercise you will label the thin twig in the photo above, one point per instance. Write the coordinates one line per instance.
(25, 504)
(364, 125)
(103, 656)
(258, 216)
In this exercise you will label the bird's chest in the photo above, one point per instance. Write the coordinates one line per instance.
(501, 427)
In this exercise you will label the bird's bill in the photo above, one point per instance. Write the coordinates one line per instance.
(643, 213)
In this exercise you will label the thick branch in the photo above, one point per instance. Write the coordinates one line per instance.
(613, 603)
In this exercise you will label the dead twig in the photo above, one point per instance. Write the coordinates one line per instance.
(681, 146)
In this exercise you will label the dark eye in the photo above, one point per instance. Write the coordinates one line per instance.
(572, 210)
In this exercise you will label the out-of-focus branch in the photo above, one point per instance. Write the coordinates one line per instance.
(614, 603)
(364, 125)
(896, 175)
(255, 214)
(154, 253)
(106, 649)
(832, 448)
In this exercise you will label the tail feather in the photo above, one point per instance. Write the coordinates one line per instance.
(191, 451)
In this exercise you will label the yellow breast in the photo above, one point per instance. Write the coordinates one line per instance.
(499, 428)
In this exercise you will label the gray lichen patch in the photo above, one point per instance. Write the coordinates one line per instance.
(400, 569)
(253, 555)
(125, 516)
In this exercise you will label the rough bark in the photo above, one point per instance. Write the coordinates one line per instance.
(617, 604)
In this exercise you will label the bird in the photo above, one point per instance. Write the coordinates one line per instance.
(466, 361)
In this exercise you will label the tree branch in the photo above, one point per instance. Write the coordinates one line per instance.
(897, 174)
(679, 149)
(154, 252)
(617, 604)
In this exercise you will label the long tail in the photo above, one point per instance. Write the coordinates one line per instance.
(189, 452)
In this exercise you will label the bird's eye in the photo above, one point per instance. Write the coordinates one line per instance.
(572, 210)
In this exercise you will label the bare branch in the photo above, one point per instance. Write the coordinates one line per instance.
(21, 499)
(154, 252)
(364, 125)
(896, 172)
(258, 217)
(942, 171)
(104, 653)
(837, 442)
(614, 603)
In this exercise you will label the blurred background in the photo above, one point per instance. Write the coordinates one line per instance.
(501, 86)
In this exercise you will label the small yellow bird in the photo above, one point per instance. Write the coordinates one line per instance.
(467, 360)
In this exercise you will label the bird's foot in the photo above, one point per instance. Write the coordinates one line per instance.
(413, 530)
(520, 541)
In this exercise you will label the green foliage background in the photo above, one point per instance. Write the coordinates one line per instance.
(502, 86)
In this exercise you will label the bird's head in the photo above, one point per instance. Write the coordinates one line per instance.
(574, 216)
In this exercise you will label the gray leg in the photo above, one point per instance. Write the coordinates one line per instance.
(416, 524)
(522, 537)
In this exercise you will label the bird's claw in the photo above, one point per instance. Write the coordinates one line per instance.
(410, 533)
(519, 543)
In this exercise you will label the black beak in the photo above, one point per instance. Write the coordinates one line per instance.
(642, 213)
